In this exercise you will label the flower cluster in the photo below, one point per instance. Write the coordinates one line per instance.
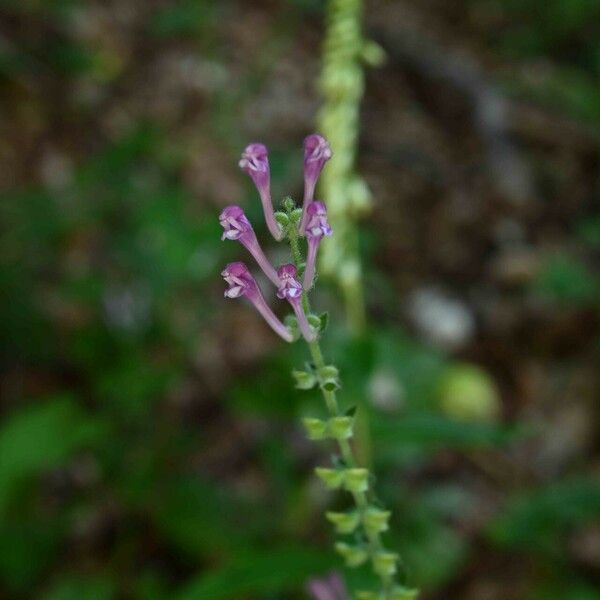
(310, 222)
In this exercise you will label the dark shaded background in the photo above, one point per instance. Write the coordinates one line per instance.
(149, 442)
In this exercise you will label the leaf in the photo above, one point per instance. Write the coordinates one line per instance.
(324, 317)
(434, 430)
(199, 519)
(41, 436)
(261, 572)
(28, 546)
(186, 17)
(568, 280)
(537, 519)
(75, 586)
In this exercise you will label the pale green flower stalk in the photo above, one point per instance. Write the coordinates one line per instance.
(342, 85)
(360, 527)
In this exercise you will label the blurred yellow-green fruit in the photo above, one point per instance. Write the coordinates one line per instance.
(468, 393)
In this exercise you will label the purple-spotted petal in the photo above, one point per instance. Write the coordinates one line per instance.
(290, 288)
(234, 223)
(241, 283)
(237, 227)
(317, 225)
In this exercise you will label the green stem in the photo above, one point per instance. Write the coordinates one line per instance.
(361, 499)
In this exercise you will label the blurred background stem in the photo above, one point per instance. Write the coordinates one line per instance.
(341, 86)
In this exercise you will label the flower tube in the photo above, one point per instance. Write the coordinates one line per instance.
(255, 163)
(241, 283)
(317, 227)
(316, 153)
(291, 290)
(236, 226)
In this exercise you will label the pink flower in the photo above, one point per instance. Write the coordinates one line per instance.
(327, 588)
(317, 227)
(316, 153)
(291, 290)
(255, 162)
(237, 227)
(241, 283)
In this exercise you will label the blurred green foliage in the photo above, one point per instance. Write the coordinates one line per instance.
(107, 489)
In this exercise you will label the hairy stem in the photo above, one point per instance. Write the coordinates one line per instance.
(361, 498)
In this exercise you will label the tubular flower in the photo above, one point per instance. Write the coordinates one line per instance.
(241, 283)
(291, 290)
(237, 227)
(255, 162)
(317, 227)
(316, 153)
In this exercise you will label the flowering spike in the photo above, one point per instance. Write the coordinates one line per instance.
(237, 227)
(316, 153)
(291, 290)
(255, 162)
(241, 283)
(317, 227)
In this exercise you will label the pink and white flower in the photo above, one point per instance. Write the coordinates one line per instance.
(316, 153)
(242, 283)
(255, 163)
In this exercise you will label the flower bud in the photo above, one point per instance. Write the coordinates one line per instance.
(341, 427)
(356, 480)
(315, 428)
(282, 218)
(332, 478)
(376, 520)
(296, 215)
(344, 522)
(288, 204)
(384, 564)
(353, 555)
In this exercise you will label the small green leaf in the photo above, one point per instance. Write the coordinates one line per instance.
(324, 317)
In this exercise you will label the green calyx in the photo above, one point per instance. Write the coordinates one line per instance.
(339, 428)
(329, 378)
(305, 380)
(385, 564)
(354, 480)
(376, 520)
(353, 555)
(344, 522)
